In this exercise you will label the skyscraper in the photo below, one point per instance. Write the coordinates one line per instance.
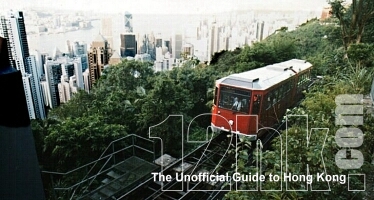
(67, 69)
(176, 45)
(260, 30)
(98, 56)
(64, 91)
(158, 40)
(128, 22)
(53, 74)
(80, 50)
(39, 62)
(78, 72)
(107, 30)
(36, 88)
(167, 45)
(213, 40)
(128, 45)
(86, 80)
(69, 49)
(13, 29)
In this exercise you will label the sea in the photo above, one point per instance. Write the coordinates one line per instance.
(163, 25)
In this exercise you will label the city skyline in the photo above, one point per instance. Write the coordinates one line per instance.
(166, 6)
(198, 36)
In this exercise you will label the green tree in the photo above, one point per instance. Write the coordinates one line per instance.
(75, 142)
(353, 19)
(361, 54)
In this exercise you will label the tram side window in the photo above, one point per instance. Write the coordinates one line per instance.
(292, 83)
(267, 100)
(274, 97)
(283, 90)
(278, 94)
(234, 99)
(303, 79)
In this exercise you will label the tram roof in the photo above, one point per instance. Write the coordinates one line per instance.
(265, 77)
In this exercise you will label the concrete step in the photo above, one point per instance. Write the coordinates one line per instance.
(121, 168)
(107, 192)
(106, 180)
(113, 174)
(96, 196)
(116, 185)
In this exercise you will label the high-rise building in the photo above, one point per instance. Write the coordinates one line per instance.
(115, 59)
(168, 61)
(167, 45)
(12, 28)
(142, 44)
(260, 30)
(45, 93)
(78, 72)
(73, 85)
(164, 63)
(143, 57)
(98, 56)
(39, 62)
(326, 13)
(45, 57)
(213, 41)
(158, 40)
(69, 48)
(86, 80)
(159, 55)
(128, 22)
(64, 91)
(151, 46)
(36, 88)
(223, 43)
(80, 50)
(53, 74)
(176, 45)
(128, 45)
(56, 53)
(188, 50)
(67, 69)
(107, 30)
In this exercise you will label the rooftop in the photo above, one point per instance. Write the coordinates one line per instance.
(265, 77)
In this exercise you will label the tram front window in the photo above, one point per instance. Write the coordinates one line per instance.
(234, 99)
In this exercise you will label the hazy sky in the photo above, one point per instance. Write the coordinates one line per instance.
(166, 6)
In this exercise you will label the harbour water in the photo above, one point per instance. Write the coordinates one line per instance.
(46, 43)
(143, 24)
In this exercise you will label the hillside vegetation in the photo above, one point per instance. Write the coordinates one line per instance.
(130, 97)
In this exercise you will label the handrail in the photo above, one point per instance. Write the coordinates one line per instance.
(110, 145)
(87, 178)
(71, 171)
(67, 188)
(99, 172)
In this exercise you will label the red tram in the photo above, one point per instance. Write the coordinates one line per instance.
(248, 101)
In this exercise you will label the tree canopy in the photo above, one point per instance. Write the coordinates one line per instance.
(352, 18)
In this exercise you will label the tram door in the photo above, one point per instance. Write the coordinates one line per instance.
(256, 104)
(256, 107)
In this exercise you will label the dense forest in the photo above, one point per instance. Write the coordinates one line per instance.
(130, 97)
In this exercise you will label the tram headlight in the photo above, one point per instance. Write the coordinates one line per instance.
(231, 122)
